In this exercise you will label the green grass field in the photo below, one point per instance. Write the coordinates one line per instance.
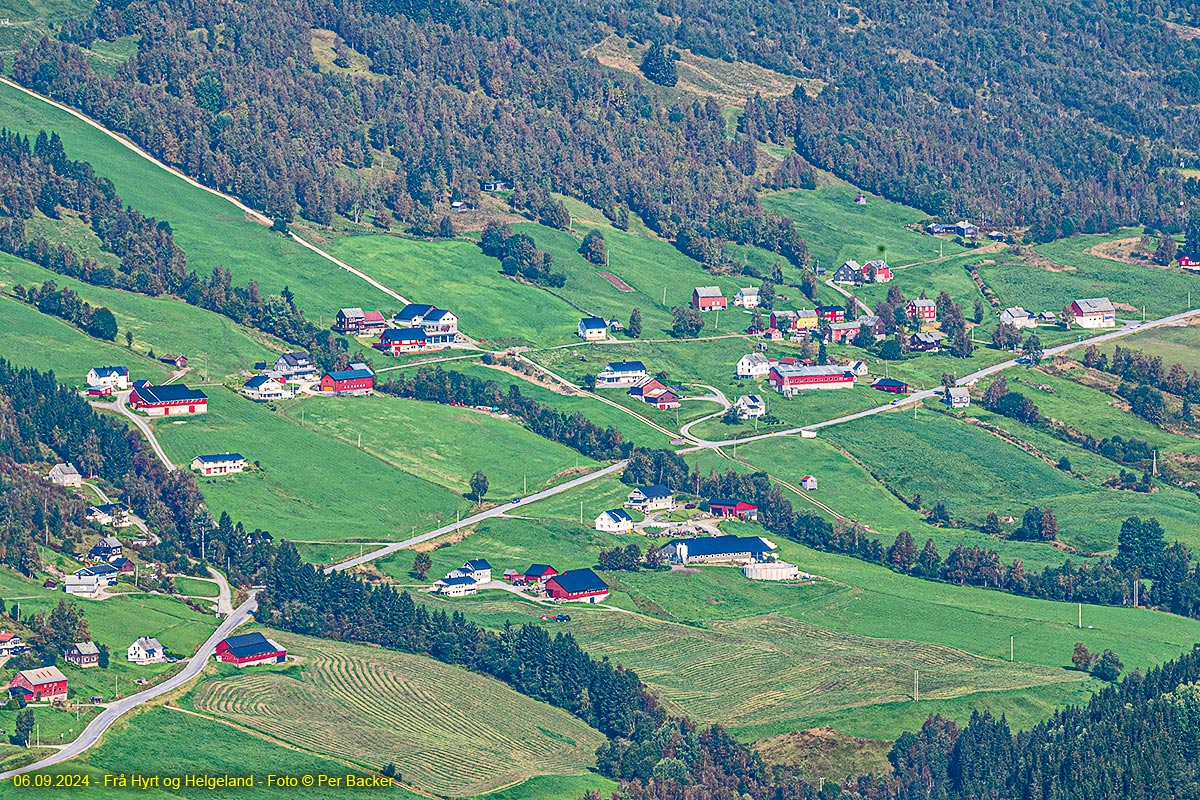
(212, 342)
(447, 730)
(458, 276)
(195, 587)
(1175, 345)
(165, 742)
(309, 486)
(441, 444)
(1077, 273)
(836, 229)
(211, 231)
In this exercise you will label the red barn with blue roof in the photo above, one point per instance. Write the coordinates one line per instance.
(250, 649)
(578, 586)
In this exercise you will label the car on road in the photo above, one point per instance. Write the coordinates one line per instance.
(516, 500)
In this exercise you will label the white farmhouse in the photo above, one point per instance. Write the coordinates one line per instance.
(615, 520)
(146, 650)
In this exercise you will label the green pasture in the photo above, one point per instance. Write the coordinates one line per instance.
(307, 485)
(194, 587)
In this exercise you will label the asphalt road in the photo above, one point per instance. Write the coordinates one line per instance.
(499, 510)
(118, 405)
(115, 710)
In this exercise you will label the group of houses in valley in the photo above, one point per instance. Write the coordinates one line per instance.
(633, 376)
(103, 381)
(853, 273)
(542, 580)
(417, 328)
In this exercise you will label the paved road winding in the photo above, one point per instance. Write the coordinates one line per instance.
(119, 405)
(498, 511)
(117, 709)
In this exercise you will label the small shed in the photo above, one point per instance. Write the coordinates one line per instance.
(808, 483)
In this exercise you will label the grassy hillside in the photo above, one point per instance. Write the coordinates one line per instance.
(211, 231)
(447, 730)
(309, 486)
(442, 444)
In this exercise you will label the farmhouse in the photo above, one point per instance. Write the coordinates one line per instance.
(265, 387)
(477, 569)
(65, 475)
(957, 396)
(146, 650)
(622, 374)
(922, 309)
(219, 464)
(578, 586)
(114, 514)
(771, 571)
(787, 379)
(539, 573)
(960, 228)
(750, 406)
(877, 271)
(656, 393)
(349, 320)
(831, 314)
(46, 685)
(615, 520)
(1047, 317)
(926, 341)
(998, 236)
(753, 365)
(106, 572)
(11, 644)
(651, 498)
(123, 565)
(83, 654)
(737, 509)
(847, 331)
(592, 329)
(108, 377)
(107, 549)
(295, 366)
(850, 272)
(440, 326)
(716, 549)
(348, 382)
(1018, 317)
(747, 297)
(808, 483)
(859, 368)
(176, 360)
(791, 321)
(890, 385)
(615, 325)
(249, 649)
(163, 401)
(396, 341)
(1095, 312)
(708, 298)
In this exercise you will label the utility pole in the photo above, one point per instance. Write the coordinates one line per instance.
(664, 302)
(916, 685)
(580, 512)
(1011, 648)
(1079, 624)
(1154, 469)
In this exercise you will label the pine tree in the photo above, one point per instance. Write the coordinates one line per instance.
(1048, 526)
(24, 730)
(634, 328)
(659, 65)
(479, 486)
(1164, 254)
(422, 563)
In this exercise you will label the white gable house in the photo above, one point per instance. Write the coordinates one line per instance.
(747, 297)
(615, 520)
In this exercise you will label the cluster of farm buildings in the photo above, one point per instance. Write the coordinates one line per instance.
(50, 684)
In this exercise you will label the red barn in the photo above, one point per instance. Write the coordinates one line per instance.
(163, 401)
(1191, 264)
(733, 508)
(250, 649)
(890, 385)
(46, 684)
(348, 381)
(787, 380)
(539, 572)
(925, 309)
(578, 586)
(708, 298)
(831, 314)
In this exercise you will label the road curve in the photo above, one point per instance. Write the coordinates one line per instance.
(119, 406)
(95, 729)
(499, 510)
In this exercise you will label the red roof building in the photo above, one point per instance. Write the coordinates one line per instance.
(168, 400)
(396, 341)
(733, 508)
(539, 572)
(46, 684)
(1191, 264)
(788, 380)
